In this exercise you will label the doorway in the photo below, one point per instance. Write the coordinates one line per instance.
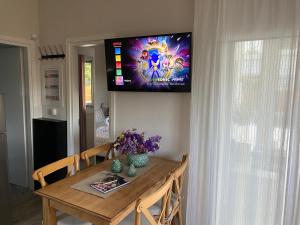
(12, 87)
(93, 97)
(86, 97)
(72, 104)
(15, 144)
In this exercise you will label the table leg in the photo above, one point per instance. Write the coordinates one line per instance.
(49, 213)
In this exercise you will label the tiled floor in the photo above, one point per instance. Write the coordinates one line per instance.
(26, 206)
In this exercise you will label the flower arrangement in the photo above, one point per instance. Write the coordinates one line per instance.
(131, 142)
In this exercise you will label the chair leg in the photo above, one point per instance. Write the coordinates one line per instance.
(137, 218)
(180, 216)
(173, 220)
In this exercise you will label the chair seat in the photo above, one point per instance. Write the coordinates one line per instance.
(130, 219)
(155, 209)
(64, 219)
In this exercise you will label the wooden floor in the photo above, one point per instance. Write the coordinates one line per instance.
(26, 206)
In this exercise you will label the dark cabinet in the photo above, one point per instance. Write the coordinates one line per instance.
(49, 145)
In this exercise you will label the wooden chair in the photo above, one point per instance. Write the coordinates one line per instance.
(72, 162)
(161, 206)
(106, 148)
(178, 188)
(144, 213)
(174, 204)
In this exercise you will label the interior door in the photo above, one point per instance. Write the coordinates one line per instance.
(5, 213)
(11, 84)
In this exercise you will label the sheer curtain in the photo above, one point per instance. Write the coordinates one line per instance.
(245, 122)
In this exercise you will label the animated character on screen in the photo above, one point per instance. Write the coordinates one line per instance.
(179, 64)
(156, 60)
(165, 64)
(164, 56)
(154, 63)
(143, 62)
(168, 65)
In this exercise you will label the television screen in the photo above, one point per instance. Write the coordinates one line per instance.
(149, 63)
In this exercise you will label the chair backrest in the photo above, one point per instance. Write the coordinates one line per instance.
(72, 162)
(143, 205)
(179, 173)
(175, 202)
(88, 154)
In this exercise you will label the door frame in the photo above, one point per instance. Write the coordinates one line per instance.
(72, 90)
(32, 102)
(88, 107)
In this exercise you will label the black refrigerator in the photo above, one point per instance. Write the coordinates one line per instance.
(49, 145)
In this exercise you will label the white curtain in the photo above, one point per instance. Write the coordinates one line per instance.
(245, 122)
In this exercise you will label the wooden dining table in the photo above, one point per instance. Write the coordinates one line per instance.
(101, 211)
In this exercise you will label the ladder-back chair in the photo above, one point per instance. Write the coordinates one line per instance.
(88, 154)
(176, 199)
(144, 214)
(72, 162)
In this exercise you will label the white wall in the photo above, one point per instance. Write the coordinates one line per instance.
(19, 18)
(166, 114)
(87, 51)
(62, 19)
(11, 84)
(101, 93)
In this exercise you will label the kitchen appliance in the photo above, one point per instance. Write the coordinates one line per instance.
(5, 213)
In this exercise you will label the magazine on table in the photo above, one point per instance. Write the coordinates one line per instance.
(109, 182)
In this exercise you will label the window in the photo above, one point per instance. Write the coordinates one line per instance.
(88, 90)
(253, 81)
(248, 56)
(257, 80)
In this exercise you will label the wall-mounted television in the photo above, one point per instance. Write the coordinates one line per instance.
(156, 63)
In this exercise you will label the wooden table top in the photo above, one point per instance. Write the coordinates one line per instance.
(120, 201)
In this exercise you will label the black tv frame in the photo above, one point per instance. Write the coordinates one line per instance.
(153, 90)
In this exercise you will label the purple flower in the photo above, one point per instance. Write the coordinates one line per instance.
(133, 142)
